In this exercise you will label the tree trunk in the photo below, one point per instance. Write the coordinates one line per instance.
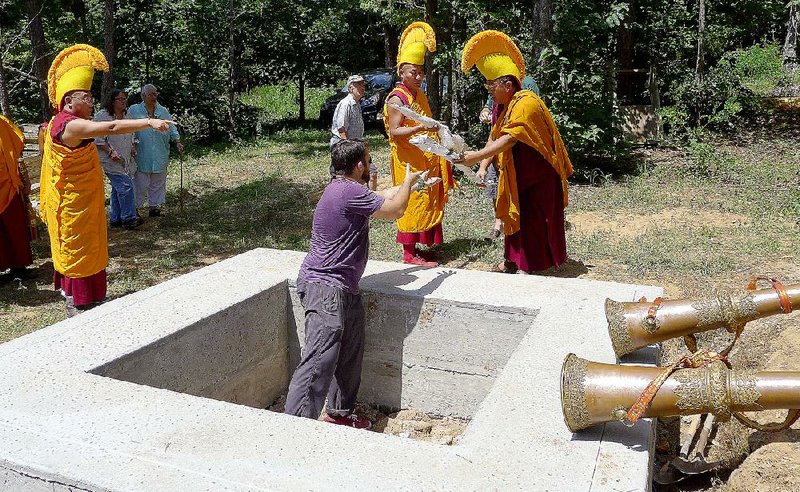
(701, 57)
(78, 8)
(542, 25)
(5, 104)
(301, 96)
(432, 78)
(148, 60)
(790, 60)
(110, 7)
(233, 70)
(39, 51)
(389, 45)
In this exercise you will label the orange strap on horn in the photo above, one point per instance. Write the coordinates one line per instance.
(651, 313)
(786, 303)
(696, 360)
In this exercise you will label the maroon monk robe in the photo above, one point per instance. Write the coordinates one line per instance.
(541, 241)
(15, 246)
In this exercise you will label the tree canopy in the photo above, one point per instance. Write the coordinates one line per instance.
(586, 55)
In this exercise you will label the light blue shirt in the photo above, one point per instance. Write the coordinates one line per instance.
(152, 152)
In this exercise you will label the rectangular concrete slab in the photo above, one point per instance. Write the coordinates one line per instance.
(62, 424)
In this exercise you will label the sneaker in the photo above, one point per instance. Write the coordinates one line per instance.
(155, 212)
(417, 260)
(351, 420)
(116, 223)
(132, 224)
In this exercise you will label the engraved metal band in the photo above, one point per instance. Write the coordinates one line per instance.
(618, 328)
(725, 309)
(704, 391)
(573, 393)
(719, 399)
(744, 390)
(747, 308)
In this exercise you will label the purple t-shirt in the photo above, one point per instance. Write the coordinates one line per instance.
(340, 235)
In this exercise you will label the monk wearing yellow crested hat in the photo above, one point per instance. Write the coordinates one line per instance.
(15, 246)
(532, 161)
(422, 221)
(72, 194)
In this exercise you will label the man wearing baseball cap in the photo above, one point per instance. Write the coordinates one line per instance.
(348, 121)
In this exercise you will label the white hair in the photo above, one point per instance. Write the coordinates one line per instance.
(148, 89)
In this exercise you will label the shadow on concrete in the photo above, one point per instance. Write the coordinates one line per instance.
(630, 437)
(393, 312)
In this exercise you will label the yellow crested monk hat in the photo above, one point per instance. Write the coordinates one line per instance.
(414, 42)
(495, 55)
(73, 70)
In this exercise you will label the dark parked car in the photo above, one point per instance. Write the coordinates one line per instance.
(378, 84)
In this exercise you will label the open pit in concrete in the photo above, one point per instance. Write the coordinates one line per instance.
(165, 389)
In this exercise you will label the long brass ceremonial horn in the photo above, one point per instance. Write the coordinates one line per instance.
(633, 325)
(593, 393)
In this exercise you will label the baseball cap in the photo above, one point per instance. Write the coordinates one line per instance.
(354, 78)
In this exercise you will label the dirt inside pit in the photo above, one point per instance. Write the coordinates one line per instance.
(408, 423)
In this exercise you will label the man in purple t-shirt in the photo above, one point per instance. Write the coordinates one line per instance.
(328, 285)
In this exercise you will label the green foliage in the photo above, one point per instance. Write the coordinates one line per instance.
(279, 102)
(211, 59)
(732, 89)
(759, 68)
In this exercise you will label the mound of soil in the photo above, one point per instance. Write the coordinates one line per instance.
(774, 467)
(410, 423)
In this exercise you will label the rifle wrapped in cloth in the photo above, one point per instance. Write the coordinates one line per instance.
(593, 393)
(633, 325)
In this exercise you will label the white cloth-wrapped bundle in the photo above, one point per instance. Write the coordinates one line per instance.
(427, 144)
(452, 142)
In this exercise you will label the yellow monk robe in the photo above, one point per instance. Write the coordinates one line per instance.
(73, 207)
(425, 208)
(528, 120)
(11, 144)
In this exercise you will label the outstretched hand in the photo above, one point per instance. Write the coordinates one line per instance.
(160, 125)
(412, 176)
(481, 175)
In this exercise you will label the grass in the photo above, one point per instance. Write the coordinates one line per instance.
(280, 102)
(712, 215)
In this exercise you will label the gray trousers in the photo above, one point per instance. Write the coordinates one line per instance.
(334, 348)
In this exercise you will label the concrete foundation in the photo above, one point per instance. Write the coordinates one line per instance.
(137, 394)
